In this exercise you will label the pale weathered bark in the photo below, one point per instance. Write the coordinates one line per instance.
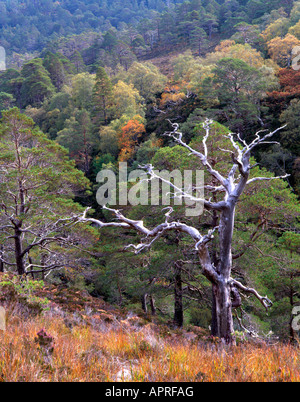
(144, 302)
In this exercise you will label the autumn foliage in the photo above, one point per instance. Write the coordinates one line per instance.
(171, 96)
(128, 139)
(289, 80)
(281, 49)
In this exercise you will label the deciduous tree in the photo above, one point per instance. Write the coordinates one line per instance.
(128, 138)
(126, 100)
(146, 78)
(281, 50)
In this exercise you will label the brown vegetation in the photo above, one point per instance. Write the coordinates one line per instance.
(82, 342)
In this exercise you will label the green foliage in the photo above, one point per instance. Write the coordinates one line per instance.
(37, 85)
(290, 135)
(58, 68)
(6, 100)
(23, 291)
(78, 138)
(146, 78)
(82, 87)
(40, 181)
(171, 158)
(126, 100)
(290, 241)
(239, 89)
(102, 94)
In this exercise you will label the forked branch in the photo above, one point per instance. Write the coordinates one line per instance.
(177, 137)
(265, 301)
(240, 158)
(151, 235)
(139, 227)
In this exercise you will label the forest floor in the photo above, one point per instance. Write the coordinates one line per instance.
(80, 338)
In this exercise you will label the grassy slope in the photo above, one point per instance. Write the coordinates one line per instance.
(92, 341)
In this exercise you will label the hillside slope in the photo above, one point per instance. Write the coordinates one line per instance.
(80, 338)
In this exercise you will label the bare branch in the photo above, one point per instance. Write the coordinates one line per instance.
(139, 225)
(264, 300)
(183, 194)
(258, 140)
(253, 334)
(177, 136)
(42, 268)
(157, 110)
(254, 179)
(240, 152)
(6, 262)
(41, 242)
(200, 241)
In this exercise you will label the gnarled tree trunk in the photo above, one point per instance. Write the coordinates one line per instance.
(222, 290)
(18, 250)
(178, 303)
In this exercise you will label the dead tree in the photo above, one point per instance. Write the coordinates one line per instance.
(225, 288)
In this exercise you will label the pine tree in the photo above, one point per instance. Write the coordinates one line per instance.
(37, 187)
(55, 67)
(37, 85)
(102, 97)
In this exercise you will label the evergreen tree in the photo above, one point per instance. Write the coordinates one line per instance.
(37, 85)
(77, 138)
(239, 89)
(38, 184)
(56, 70)
(291, 136)
(78, 62)
(102, 94)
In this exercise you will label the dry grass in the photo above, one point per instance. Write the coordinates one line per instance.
(119, 350)
(83, 339)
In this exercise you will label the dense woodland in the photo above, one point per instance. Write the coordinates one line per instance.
(90, 84)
